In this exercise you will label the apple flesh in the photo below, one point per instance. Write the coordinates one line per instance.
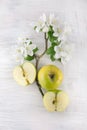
(56, 101)
(24, 74)
(50, 77)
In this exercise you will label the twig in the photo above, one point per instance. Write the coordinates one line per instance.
(46, 46)
(37, 57)
(39, 87)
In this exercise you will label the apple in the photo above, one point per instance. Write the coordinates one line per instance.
(57, 100)
(50, 77)
(24, 74)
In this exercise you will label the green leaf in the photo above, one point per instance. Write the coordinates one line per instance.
(29, 58)
(54, 43)
(35, 27)
(51, 52)
(59, 59)
(52, 39)
(50, 35)
(35, 50)
(52, 58)
(51, 29)
(30, 42)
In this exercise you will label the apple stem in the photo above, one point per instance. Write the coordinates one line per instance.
(37, 57)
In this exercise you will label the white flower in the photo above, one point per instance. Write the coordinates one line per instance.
(28, 49)
(19, 58)
(52, 20)
(18, 54)
(23, 48)
(43, 18)
(45, 29)
(61, 31)
(44, 23)
(58, 30)
(63, 52)
(23, 40)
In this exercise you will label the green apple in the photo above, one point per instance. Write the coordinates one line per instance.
(57, 100)
(24, 74)
(50, 77)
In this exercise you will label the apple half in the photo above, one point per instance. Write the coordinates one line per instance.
(24, 74)
(50, 77)
(57, 100)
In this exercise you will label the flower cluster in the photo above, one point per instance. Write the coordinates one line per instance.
(24, 50)
(44, 22)
(60, 29)
(57, 33)
(63, 52)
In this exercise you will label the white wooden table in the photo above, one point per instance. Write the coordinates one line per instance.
(21, 108)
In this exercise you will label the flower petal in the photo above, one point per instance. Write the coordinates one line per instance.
(45, 29)
(32, 46)
(43, 18)
(30, 52)
(56, 56)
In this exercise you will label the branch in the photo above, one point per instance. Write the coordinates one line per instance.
(46, 46)
(37, 57)
(39, 87)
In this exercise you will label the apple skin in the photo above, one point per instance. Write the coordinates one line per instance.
(50, 77)
(56, 100)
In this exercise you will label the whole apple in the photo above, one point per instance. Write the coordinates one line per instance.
(50, 77)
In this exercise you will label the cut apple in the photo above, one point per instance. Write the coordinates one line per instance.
(30, 72)
(48, 100)
(56, 101)
(62, 101)
(25, 74)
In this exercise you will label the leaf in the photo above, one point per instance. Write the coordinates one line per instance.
(35, 27)
(30, 42)
(52, 39)
(35, 50)
(59, 59)
(54, 44)
(52, 57)
(51, 52)
(50, 35)
(29, 58)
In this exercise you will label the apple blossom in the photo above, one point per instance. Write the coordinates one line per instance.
(23, 49)
(63, 52)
